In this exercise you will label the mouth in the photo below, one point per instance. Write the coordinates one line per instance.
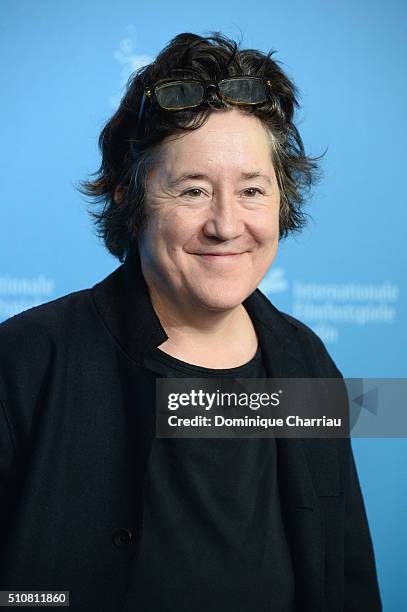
(219, 257)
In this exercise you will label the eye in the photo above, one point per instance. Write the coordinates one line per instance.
(194, 192)
(252, 191)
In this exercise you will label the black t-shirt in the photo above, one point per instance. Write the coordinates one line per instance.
(213, 536)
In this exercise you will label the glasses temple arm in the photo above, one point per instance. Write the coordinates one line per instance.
(143, 101)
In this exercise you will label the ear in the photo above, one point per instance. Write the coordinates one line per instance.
(118, 194)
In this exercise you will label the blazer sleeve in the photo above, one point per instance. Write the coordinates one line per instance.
(360, 580)
(7, 462)
(361, 590)
(25, 358)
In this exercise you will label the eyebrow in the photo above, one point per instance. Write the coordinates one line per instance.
(194, 176)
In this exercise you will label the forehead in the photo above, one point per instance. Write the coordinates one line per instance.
(227, 140)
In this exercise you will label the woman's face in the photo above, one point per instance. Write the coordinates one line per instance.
(212, 205)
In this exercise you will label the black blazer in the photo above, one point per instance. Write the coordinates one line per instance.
(76, 426)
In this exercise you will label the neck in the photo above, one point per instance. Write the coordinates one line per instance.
(210, 338)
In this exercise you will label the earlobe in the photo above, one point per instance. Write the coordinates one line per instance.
(118, 194)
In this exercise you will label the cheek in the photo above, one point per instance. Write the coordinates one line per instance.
(168, 232)
(184, 220)
(266, 226)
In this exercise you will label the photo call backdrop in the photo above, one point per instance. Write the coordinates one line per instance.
(64, 67)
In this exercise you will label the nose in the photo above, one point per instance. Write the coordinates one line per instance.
(224, 219)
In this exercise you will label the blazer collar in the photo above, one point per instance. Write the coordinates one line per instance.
(123, 302)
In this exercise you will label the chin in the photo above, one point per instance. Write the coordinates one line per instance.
(223, 300)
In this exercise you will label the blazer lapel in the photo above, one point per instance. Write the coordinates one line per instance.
(300, 505)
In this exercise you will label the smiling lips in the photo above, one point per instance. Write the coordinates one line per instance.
(219, 256)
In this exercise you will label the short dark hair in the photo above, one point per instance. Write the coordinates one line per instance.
(130, 148)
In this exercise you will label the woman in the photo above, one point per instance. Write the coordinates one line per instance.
(203, 172)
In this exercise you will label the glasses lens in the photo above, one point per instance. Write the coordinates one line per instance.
(244, 90)
(180, 94)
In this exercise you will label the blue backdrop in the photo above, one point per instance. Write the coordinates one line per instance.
(64, 65)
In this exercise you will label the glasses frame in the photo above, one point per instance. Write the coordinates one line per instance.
(150, 91)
